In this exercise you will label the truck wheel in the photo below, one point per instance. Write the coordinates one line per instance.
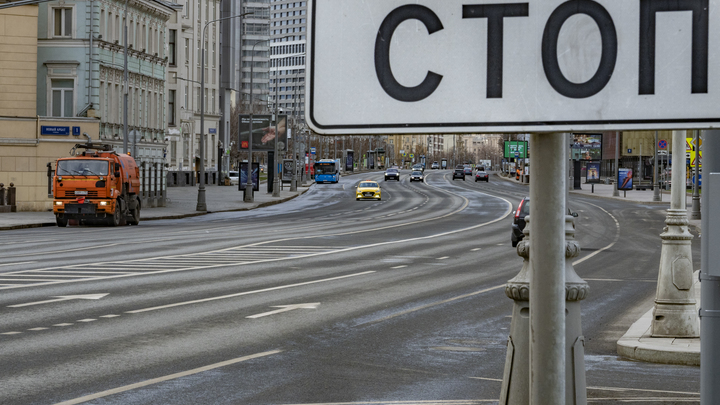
(134, 218)
(115, 219)
(61, 222)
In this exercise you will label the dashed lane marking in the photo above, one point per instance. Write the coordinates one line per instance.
(398, 267)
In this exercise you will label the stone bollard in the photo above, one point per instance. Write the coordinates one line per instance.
(12, 197)
(516, 377)
(2, 194)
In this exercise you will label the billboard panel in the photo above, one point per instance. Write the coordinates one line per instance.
(263, 132)
(587, 147)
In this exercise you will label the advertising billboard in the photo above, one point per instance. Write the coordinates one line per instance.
(516, 149)
(587, 147)
(263, 132)
(624, 180)
(243, 176)
(592, 174)
(349, 161)
(287, 170)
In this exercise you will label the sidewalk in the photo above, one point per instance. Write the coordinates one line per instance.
(637, 343)
(181, 203)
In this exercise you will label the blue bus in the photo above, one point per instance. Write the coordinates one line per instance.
(327, 171)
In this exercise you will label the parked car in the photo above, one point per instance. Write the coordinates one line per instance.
(518, 223)
(482, 175)
(234, 176)
(392, 174)
(417, 175)
(435, 166)
(459, 174)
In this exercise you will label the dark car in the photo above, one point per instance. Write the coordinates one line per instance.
(459, 173)
(481, 175)
(468, 171)
(416, 175)
(518, 223)
(392, 174)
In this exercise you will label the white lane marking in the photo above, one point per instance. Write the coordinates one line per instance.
(487, 379)
(62, 298)
(109, 316)
(443, 258)
(617, 237)
(36, 329)
(432, 304)
(620, 280)
(501, 244)
(430, 402)
(642, 390)
(63, 324)
(87, 320)
(398, 267)
(285, 308)
(475, 250)
(10, 333)
(12, 264)
(282, 287)
(50, 280)
(167, 378)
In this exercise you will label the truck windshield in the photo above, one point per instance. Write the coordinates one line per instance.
(83, 167)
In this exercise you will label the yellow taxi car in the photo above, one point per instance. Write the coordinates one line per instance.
(367, 189)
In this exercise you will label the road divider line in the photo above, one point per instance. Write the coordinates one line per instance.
(617, 237)
(167, 378)
(432, 304)
(282, 287)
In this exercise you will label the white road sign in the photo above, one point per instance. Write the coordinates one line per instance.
(401, 66)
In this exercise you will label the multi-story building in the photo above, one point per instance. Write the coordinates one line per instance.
(288, 33)
(29, 140)
(255, 55)
(81, 73)
(191, 32)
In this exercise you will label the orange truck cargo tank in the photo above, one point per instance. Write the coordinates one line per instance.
(97, 187)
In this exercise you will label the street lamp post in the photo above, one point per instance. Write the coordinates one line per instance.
(125, 81)
(201, 205)
(248, 196)
(276, 178)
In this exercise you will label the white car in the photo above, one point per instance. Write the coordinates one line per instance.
(234, 177)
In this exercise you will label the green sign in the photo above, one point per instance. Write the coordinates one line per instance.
(516, 149)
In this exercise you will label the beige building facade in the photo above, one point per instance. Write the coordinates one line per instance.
(29, 142)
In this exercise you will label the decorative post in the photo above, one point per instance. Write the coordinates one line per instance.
(674, 314)
(516, 378)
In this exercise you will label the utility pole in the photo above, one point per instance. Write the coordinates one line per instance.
(710, 274)
(276, 177)
(695, 213)
(616, 192)
(125, 82)
(656, 186)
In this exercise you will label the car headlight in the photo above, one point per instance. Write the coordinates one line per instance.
(103, 203)
(58, 203)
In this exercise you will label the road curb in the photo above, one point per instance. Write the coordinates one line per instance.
(165, 217)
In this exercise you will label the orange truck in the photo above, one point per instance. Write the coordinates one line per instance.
(97, 187)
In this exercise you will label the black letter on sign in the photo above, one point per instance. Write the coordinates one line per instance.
(700, 16)
(382, 53)
(495, 14)
(609, 48)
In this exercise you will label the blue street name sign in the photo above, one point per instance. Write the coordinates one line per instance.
(52, 130)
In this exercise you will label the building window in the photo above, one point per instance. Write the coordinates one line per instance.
(62, 98)
(171, 107)
(171, 47)
(62, 22)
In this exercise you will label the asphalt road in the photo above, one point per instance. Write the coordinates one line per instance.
(319, 300)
